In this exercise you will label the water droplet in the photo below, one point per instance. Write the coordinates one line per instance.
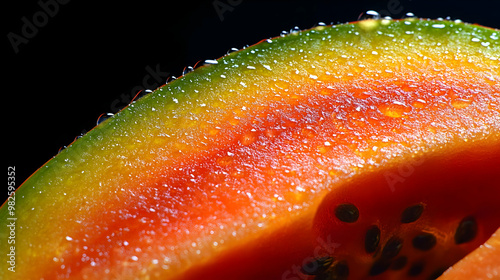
(296, 29)
(460, 103)
(410, 15)
(385, 22)
(69, 238)
(61, 149)
(187, 70)
(439, 25)
(225, 161)
(371, 14)
(232, 50)
(369, 25)
(103, 117)
(320, 26)
(210, 61)
(394, 110)
(171, 78)
(282, 84)
(419, 103)
(248, 139)
(266, 66)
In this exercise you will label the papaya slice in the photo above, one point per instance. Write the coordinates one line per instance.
(482, 263)
(367, 150)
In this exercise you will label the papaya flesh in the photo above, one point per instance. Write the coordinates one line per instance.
(482, 263)
(362, 150)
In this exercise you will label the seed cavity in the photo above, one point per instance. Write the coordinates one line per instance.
(372, 239)
(424, 241)
(466, 231)
(399, 263)
(317, 266)
(347, 213)
(412, 213)
(416, 269)
(392, 248)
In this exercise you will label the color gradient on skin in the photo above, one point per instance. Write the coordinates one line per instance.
(232, 153)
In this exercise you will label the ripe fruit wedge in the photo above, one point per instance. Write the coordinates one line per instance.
(480, 264)
(364, 150)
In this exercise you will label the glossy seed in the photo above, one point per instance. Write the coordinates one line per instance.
(392, 248)
(372, 239)
(466, 231)
(424, 241)
(399, 263)
(412, 213)
(317, 266)
(379, 267)
(416, 269)
(340, 271)
(347, 213)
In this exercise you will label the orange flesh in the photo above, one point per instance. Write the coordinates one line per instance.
(221, 173)
(482, 263)
(448, 187)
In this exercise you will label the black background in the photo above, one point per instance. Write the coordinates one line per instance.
(88, 58)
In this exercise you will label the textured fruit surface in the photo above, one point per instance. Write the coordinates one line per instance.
(236, 170)
(480, 264)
